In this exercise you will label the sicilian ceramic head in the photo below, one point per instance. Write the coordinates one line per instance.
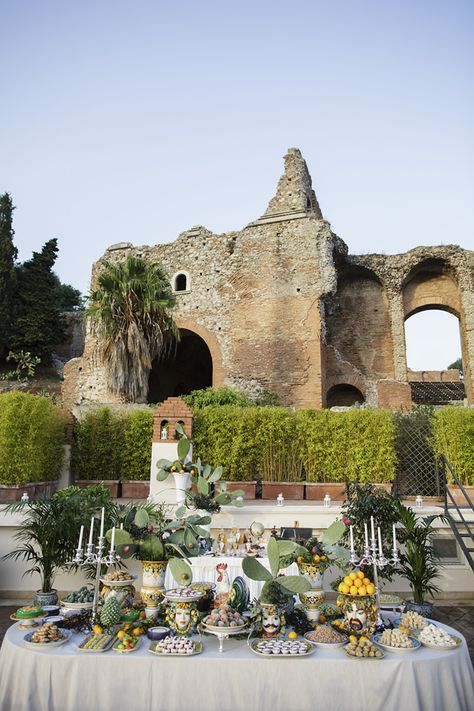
(356, 617)
(182, 617)
(273, 621)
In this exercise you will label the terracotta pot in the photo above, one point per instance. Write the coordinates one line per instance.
(317, 491)
(135, 489)
(35, 490)
(292, 491)
(247, 486)
(111, 485)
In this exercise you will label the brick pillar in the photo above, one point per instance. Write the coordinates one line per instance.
(397, 319)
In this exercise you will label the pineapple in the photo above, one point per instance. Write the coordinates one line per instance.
(110, 613)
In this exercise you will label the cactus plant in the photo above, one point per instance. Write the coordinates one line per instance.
(277, 588)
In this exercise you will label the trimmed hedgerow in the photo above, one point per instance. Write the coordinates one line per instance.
(97, 447)
(453, 429)
(136, 452)
(32, 431)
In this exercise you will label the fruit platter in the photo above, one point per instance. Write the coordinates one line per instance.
(81, 599)
(281, 648)
(397, 641)
(363, 648)
(48, 635)
(126, 642)
(326, 637)
(176, 647)
(97, 642)
(436, 638)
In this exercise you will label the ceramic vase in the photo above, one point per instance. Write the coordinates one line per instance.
(182, 617)
(154, 571)
(272, 620)
(151, 598)
(312, 573)
(182, 484)
(46, 598)
(360, 612)
(311, 601)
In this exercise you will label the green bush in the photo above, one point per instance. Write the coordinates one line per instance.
(357, 445)
(454, 437)
(216, 396)
(276, 440)
(136, 452)
(32, 433)
(97, 447)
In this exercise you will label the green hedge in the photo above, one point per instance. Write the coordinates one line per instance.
(98, 444)
(136, 452)
(453, 430)
(32, 432)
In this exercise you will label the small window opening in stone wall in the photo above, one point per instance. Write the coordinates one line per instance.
(164, 429)
(344, 395)
(181, 282)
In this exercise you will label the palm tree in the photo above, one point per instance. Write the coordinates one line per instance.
(130, 305)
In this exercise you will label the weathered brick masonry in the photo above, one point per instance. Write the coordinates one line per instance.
(281, 305)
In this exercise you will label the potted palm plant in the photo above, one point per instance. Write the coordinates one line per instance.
(418, 561)
(49, 530)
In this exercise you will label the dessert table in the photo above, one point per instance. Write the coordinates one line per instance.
(64, 679)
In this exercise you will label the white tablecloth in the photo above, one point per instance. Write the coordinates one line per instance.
(204, 568)
(63, 679)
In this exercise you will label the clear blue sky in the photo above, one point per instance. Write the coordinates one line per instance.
(134, 121)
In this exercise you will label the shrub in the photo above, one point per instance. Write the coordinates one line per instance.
(136, 452)
(357, 445)
(31, 439)
(454, 437)
(198, 399)
(98, 445)
(276, 440)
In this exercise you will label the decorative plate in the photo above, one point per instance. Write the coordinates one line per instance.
(118, 583)
(239, 594)
(444, 647)
(125, 651)
(102, 642)
(174, 596)
(397, 650)
(325, 645)
(76, 605)
(255, 642)
(46, 645)
(198, 647)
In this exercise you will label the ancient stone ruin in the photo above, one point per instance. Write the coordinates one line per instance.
(282, 305)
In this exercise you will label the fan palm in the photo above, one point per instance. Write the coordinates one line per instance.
(131, 306)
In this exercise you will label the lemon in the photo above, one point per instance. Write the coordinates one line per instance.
(324, 557)
(344, 588)
(348, 580)
(353, 576)
(340, 587)
(358, 583)
(137, 632)
(353, 590)
(316, 558)
(121, 634)
(362, 590)
(97, 629)
(360, 574)
(352, 638)
(370, 589)
(366, 639)
(300, 559)
(292, 635)
(366, 582)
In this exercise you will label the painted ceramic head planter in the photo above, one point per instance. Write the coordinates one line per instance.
(182, 617)
(273, 620)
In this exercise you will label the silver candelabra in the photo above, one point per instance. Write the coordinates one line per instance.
(374, 555)
(95, 556)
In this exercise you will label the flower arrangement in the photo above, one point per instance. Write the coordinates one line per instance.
(322, 552)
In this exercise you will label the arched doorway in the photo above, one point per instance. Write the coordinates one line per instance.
(344, 395)
(187, 368)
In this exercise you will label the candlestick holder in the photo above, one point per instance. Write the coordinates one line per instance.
(98, 558)
(373, 555)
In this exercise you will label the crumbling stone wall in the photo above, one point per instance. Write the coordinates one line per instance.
(283, 306)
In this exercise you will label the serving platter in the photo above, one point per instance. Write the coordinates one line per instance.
(255, 642)
(198, 647)
(325, 645)
(118, 583)
(443, 647)
(397, 650)
(76, 605)
(46, 645)
(369, 659)
(223, 630)
(112, 638)
(126, 651)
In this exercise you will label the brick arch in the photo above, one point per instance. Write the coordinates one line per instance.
(431, 284)
(212, 343)
(351, 378)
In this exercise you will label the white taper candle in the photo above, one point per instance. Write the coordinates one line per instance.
(352, 538)
(372, 527)
(366, 535)
(112, 540)
(101, 534)
(394, 538)
(79, 545)
(91, 532)
(380, 541)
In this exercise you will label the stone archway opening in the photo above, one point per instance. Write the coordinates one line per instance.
(344, 395)
(188, 367)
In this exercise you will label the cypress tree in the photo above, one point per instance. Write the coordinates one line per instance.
(8, 254)
(38, 327)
